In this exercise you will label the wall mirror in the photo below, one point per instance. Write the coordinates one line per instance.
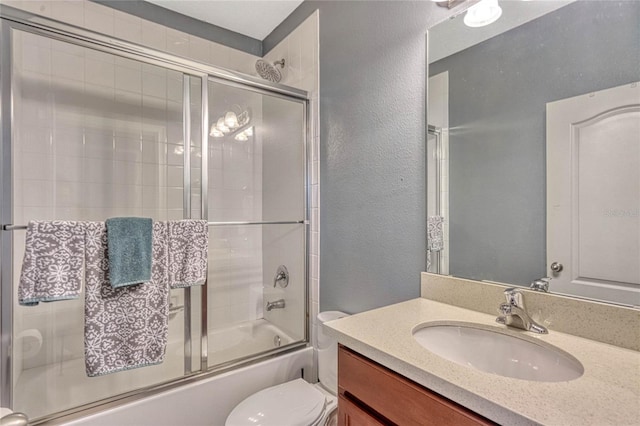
(533, 148)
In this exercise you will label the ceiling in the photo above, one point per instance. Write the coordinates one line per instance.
(253, 18)
(452, 35)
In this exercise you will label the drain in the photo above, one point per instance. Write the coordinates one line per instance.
(277, 341)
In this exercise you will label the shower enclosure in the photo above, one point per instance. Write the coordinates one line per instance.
(93, 127)
(437, 200)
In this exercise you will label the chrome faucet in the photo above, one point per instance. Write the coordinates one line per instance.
(514, 313)
(276, 304)
(541, 284)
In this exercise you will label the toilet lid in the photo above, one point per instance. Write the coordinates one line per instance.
(295, 403)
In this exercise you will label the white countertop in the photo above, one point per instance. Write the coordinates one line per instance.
(608, 393)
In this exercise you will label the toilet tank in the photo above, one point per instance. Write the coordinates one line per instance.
(328, 352)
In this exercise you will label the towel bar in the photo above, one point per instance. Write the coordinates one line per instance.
(13, 227)
(10, 227)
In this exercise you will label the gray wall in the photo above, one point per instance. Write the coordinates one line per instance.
(498, 91)
(372, 129)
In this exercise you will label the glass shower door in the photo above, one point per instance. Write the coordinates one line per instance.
(257, 235)
(95, 135)
(437, 200)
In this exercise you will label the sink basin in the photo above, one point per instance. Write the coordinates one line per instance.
(491, 350)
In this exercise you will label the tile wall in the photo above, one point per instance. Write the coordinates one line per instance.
(95, 136)
(108, 21)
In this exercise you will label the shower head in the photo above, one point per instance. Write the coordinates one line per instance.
(269, 71)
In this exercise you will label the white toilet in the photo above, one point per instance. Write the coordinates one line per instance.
(297, 403)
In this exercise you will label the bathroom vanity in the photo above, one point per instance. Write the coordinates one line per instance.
(365, 388)
(387, 376)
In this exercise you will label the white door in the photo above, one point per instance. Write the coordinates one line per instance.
(593, 194)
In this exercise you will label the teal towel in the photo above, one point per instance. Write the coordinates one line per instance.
(129, 250)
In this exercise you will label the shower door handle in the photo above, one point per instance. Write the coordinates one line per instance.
(174, 310)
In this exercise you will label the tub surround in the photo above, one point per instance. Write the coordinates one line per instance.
(607, 393)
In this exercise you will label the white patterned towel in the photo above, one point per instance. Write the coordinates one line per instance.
(188, 249)
(52, 264)
(435, 233)
(125, 327)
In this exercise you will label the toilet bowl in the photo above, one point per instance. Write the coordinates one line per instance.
(297, 402)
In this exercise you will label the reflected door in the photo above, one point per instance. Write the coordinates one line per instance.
(593, 194)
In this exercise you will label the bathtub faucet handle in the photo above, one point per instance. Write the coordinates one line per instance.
(282, 277)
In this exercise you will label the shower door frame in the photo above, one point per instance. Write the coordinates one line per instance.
(436, 132)
(14, 19)
(306, 221)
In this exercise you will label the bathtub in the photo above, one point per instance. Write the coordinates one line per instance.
(205, 402)
(245, 339)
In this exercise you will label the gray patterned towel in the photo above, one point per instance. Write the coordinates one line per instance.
(188, 249)
(124, 327)
(52, 264)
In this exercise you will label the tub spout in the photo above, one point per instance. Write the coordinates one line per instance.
(14, 419)
(276, 304)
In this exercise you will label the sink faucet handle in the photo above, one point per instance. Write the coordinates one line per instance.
(505, 308)
(541, 284)
(514, 297)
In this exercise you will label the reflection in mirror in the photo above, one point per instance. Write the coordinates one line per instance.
(533, 154)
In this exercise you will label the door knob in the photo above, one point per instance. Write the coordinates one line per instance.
(556, 267)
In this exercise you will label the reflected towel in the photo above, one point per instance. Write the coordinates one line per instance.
(129, 244)
(124, 327)
(188, 249)
(52, 264)
(435, 233)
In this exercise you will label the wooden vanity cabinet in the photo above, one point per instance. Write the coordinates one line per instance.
(372, 395)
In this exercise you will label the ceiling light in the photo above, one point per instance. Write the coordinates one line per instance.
(483, 13)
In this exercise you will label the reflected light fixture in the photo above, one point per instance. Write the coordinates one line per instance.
(231, 119)
(483, 13)
(229, 122)
(221, 126)
(215, 132)
(244, 135)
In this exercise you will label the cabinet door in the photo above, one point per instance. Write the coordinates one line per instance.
(350, 414)
(392, 396)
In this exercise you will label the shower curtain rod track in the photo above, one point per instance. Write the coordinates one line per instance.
(10, 227)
